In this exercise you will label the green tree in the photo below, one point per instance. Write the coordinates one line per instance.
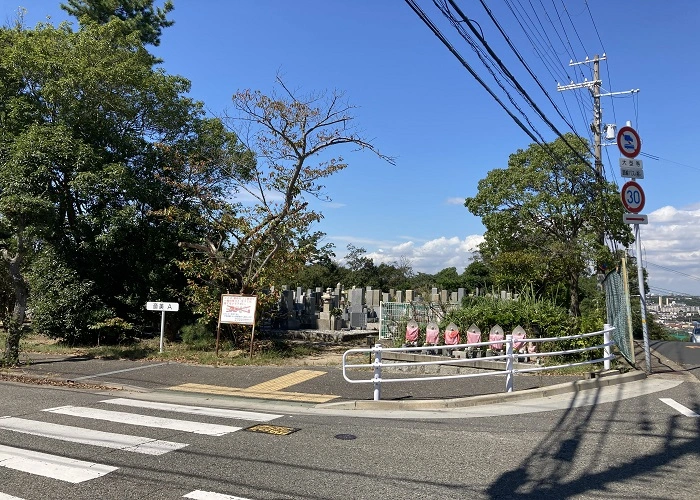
(260, 231)
(137, 15)
(448, 279)
(543, 215)
(86, 124)
(477, 276)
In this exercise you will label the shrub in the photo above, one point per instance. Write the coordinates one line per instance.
(198, 337)
(63, 306)
(539, 317)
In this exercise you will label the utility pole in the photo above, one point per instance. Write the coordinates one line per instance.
(597, 124)
(597, 128)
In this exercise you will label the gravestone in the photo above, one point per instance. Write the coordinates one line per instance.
(460, 295)
(409, 295)
(375, 298)
(356, 299)
(358, 318)
(399, 297)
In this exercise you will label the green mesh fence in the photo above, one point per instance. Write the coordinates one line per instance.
(616, 301)
(394, 316)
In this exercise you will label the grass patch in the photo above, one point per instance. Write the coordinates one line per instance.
(265, 351)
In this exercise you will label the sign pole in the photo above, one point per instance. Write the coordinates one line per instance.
(163, 307)
(218, 334)
(252, 335)
(630, 145)
(642, 298)
(162, 330)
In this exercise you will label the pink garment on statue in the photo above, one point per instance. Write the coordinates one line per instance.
(411, 333)
(432, 335)
(451, 337)
(494, 337)
(473, 337)
(518, 345)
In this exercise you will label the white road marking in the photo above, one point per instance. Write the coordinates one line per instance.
(566, 401)
(3, 496)
(145, 420)
(136, 444)
(195, 410)
(118, 371)
(53, 466)
(679, 407)
(210, 495)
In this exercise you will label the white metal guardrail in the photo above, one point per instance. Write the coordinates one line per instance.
(510, 357)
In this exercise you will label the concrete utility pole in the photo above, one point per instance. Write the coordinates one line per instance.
(594, 86)
(597, 124)
(597, 129)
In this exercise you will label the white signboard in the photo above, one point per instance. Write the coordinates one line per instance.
(632, 173)
(631, 168)
(238, 309)
(163, 306)
(635, 219)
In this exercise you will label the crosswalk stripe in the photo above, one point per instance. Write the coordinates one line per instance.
(195, 410)
(42, 464)
(4, 496)
(145, 420)
(210, 495)
(123, 442)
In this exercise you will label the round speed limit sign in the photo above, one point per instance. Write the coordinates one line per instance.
(632, 197)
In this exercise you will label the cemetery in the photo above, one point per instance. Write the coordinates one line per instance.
(393, 318)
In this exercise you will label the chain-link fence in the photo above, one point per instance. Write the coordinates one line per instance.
(617, 305)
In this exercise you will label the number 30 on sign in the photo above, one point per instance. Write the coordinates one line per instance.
(632, 197)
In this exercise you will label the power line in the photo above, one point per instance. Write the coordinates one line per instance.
(423, 16)
(671, 292)
(673, 271)
(507, 73)
(525, 65)
(527, 20)
(658, 158)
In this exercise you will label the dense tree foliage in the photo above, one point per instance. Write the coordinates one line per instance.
(138, 16)
(86, 120)
(544, 215)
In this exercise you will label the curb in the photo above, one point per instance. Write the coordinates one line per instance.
(526, 394)
(16, 377)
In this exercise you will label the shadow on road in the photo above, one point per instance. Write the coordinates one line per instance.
(558, 467)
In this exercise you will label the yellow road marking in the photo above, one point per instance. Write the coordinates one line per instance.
(248, 393)
(279, 383)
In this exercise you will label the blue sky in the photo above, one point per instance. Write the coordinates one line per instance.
(419, 104)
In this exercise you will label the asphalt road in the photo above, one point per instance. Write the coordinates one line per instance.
(684, 354)
(149, 438)
(629, 441)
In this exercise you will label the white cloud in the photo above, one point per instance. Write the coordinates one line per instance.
(455, 201)
(431, 256)
(670, 251)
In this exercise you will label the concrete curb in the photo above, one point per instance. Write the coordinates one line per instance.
(16, 376)
(486, 399)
